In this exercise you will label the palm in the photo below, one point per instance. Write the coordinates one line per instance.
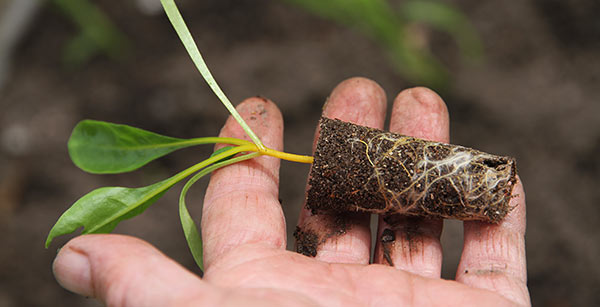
(309, 282)
(243, 231)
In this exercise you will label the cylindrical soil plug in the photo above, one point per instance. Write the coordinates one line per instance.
(361, 169)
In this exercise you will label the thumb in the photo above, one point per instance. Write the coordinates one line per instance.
(124, 271)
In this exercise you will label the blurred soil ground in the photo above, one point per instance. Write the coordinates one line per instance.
(536, 97)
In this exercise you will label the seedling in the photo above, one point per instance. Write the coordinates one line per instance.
(107, 148)
(355, 169)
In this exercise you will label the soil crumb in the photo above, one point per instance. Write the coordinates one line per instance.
(307, 242)
(387, 240)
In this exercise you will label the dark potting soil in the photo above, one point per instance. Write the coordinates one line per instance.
(307, 242)
(361, 169)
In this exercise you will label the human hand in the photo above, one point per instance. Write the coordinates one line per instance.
(244, 235)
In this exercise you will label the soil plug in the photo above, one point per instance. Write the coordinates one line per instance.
(363, 169)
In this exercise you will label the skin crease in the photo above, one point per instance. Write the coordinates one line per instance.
(243, 231)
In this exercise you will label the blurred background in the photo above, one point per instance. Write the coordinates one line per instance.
(520, 79)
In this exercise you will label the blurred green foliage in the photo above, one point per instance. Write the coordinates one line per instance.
(98, 35)
(396, 30)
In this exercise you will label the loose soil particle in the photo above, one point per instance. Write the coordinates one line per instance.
(387, 239)
(361, 169)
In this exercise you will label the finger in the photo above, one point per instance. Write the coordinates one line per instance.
(346, 239)
(493, 255)
(124, 271)
(241, 204)
(413, 243)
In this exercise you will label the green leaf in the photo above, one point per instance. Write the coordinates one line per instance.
(102, 209)
(106, 148)
(192, 235)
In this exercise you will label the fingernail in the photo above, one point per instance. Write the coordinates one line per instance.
(73, 272)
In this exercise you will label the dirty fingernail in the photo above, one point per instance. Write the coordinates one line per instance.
(73, 272)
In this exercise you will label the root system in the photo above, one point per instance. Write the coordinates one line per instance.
(362, 169)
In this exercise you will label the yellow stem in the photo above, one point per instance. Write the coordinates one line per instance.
(286, 156)
(276, 153)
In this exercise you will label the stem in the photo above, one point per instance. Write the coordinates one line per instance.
(183, 174)
(218, 140)
(265, 151)
(192, 49)
(287, 156)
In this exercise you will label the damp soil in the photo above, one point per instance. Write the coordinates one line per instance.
(361, 169)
